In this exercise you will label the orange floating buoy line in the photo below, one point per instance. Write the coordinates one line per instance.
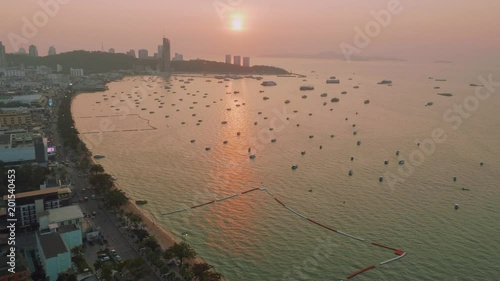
(399, 253)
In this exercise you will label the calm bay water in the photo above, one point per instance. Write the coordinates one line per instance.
(251, 237)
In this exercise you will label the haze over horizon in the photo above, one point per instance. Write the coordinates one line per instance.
(422, 30)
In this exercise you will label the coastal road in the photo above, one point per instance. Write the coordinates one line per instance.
(102, 221)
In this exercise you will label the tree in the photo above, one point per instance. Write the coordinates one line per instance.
(104, 182)
(183, 251)
(203, 272)
(77, 251)
(116, 198)
(106, 272)
(96, 169)
(151, 242)
(65, 276)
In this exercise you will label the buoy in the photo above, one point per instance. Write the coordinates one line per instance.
(456, 206)
(350, 172)
(359, 142)
(320, 147)
(238, 133)
(386, 162)
(303, 153)
(381, 179)
(397, 152)
(352, 158)
(454, 178)
(481, 164)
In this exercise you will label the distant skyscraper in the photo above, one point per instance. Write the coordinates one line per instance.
(143, 54)
(59, 68)
(229, 59)
(111, 50)
(3, 59)
(165, 56)
(160, 48)
(246, 61)
(131, 53)
(33, 51)
(21, 51)
(237, 60)
(52, 50)
(178, 57)
(76, 72)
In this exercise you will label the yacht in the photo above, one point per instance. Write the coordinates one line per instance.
(306, 88)
(268, 83)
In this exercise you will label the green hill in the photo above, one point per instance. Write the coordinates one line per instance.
(100, 62)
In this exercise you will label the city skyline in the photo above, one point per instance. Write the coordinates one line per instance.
(419, 30)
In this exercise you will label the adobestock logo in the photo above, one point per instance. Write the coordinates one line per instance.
(39, 19)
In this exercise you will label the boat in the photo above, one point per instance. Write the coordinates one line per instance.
(306, 88)
(385, 82)
(344, 93)
(332, 81)
(265, 98)
(456, 207)
(252, 156)
(98, 156)
(141, 202)
(335, 100)
(268, 83)
(367, 101)
(324, 95)
(445, 94)
(294, 167)
(287, 101)
(304, 96)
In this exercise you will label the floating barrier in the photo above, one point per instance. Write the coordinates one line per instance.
(400, 253)
(360, 271)
(250, 190)
(197, 206)
(226, 198)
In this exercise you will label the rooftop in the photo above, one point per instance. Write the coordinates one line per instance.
(41, 192)
(63, 213)
(52, 244)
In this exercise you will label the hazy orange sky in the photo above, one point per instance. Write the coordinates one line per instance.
(424, 29)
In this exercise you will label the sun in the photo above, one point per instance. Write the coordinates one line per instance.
(236, 22)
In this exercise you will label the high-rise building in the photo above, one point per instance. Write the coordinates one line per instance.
(52, 50)
(131, 53)
(59, 68)
(111, 50)
(3, 59)
(165, 56)
(160, 48)
(22, 51)
(246, 61)
(237, 60)
(178, 57)
(33, 51)
(229, 59)
(143, 54)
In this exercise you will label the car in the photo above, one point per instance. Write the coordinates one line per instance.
(105, 258)
(113, 252)
(85, 270)
(118, 258)
(91, 243)
(93, 213)
(83, 189)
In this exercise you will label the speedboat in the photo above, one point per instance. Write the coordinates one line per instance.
(269, 83)
(306, 88)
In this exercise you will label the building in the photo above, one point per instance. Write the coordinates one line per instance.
(13, 72)
(62, 216)
(21, 271)
(15, 117)
(160, 50)
(246, 61)
(59, 68)
(53, 254)
(35, 100)
(111, 50)
(143, 54)
(33, 51)
(178, 57)
(237, 60)
(52, 51)
(229, 59)
(3, 58)
(30, 204)
(77, 72)
(131, 53)
(165, 56)
(22, 51)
